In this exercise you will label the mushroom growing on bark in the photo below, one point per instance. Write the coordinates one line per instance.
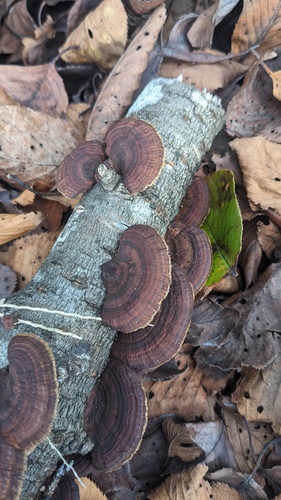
(137, 279)
(76, 174)
(135, 150)
(195, 205)
(29, 395)
(115, 416)
(152, 346)
(190, 248)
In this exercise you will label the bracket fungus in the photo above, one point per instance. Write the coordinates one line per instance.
(76, 174)
(150, 347)
(137, 279)
(191, 249)
(115, 416)
(28, 394)
(135, 150)
(195, 205)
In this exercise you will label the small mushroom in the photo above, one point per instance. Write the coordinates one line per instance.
(137, 279)
(115, 416)
(150, 347)
(190, 248)
(195, 205)
(136, 151)
(76, 174)
(28, 395)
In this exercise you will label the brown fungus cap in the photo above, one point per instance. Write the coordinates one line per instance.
(28, 392)
(196, 204)
(115, 416)
(76, 174)
(136, 151)
(137, 279)
(12, 467)
(150, 347)
(190, 248)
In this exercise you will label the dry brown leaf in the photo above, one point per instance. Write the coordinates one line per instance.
(5, 99)
(33, 144)
(245, 483)
(37, 87)
(276, 80)
(259, 160)
(25, 198)
(245, 437)
(182, 395)
(12, 226)
(209, 76)
(223, 9)
(118, 90)
(188, 485)
(269, 237)
(73, 113)
(8, 280)
(253, 23)
(9, 42)
(19, 21)
(100, 38)
(33, 47)
(201, 32)
(27, 254)
(91, 492)
(258, 394)
(222, 490)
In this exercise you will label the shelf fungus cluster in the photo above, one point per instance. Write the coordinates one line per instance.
(132, 148)
(149, 301)
(29, 395)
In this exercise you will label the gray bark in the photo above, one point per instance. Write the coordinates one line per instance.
(69, 280)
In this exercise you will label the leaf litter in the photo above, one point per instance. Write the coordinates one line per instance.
(215, 409)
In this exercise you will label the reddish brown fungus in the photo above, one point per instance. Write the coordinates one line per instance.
(77, 171)
(136, 151)
(196, 203)
(137, 279)
(150, 347)
(115, 416)
(190, 248)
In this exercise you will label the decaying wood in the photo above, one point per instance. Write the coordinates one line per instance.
(69, 280)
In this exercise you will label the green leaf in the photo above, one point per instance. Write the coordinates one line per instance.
(223, 225)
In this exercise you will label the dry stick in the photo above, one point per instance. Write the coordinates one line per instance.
(70, 278)
(50, 311)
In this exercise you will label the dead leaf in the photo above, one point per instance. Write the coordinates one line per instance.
(25, 255)
(19, 21)
(258, 394)
(253, 23)
(33, 48)
(189, 441)
(276, 80)
(91, 491)
(12, 226)
(253, 110)
(209, 76)
(251, 253)
(25, 198)
(201, 32)
(247, 439)
(10, 43)
(38, 87)
(8, 280)
(244, 483)
(79, 121)
(259, 160)
(115, 97)
(269, 237)
(99, 37)
(249, 340)
(183, 395)
(33, 144)
(186, 485)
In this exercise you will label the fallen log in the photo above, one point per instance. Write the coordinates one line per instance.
(67, 293)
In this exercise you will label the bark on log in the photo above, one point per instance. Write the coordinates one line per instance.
(69, 280)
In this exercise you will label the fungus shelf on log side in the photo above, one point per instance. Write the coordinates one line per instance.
(137, 279)
(152, 346)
